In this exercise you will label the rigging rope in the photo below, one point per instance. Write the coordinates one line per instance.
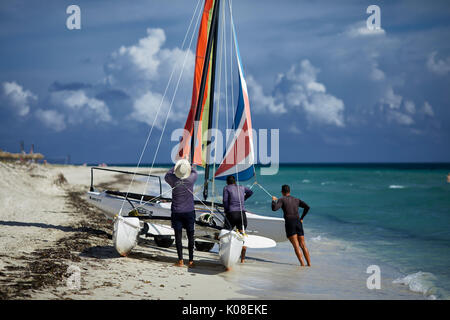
(234, 126)
(259, 185)
(231, 56)
(223, 49)
(173, 97)
(162, 99)
(218, 106)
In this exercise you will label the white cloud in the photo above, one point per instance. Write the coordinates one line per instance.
(399, 117)
(400, 110)
(440, 67)
(143, 70)
(360, 29)
(52, 119)
(260, 102)
(300, 90)
(79, 107)
(376, 74)
(410, 107)
(145, 109)
(294, 129)
(141, 60)
(18, 98)
(391, 99)
(427, 109)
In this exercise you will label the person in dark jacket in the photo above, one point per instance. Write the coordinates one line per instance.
(293, 222)
(233, 203)
(182, 178)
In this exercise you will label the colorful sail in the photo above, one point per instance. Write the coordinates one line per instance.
(202, 125)
(239, 157)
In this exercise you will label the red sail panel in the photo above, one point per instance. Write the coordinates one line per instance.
(202, 42)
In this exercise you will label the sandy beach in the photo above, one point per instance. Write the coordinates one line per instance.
(50, 234)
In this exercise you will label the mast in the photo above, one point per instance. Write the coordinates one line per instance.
(211, 106)
(211, 39)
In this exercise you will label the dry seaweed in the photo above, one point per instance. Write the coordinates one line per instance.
(47, 267)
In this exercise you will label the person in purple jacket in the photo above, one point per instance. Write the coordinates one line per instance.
(182, 178)
(233, 204)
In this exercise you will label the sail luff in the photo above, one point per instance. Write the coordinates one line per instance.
(199, 112)
(211, 104)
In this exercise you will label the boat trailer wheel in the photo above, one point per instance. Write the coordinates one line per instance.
(163, 241)
(203, 246)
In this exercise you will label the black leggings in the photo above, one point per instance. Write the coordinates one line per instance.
(190, 235)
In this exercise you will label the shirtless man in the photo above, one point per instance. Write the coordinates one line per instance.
(293, 222)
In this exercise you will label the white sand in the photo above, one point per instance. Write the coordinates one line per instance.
(38, 218)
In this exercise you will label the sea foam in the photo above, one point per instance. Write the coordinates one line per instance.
(422, 282)
(395, 186)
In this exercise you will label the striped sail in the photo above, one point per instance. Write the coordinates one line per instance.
(239, 157)
(202, 124)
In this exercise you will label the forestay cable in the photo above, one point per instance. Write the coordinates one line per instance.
(159, 108)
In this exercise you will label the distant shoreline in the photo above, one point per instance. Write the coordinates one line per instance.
(363, 165)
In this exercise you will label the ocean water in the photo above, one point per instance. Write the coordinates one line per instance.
(395, 216)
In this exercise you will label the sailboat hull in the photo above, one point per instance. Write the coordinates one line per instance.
(230, 247)
(125, 234)
(160, 213)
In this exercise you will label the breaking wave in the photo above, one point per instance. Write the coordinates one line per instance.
(422, 282)
(396, 186)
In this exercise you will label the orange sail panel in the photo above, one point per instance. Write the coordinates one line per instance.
(202, 42)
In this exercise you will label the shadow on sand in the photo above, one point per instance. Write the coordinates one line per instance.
(55, 227)
(157, 254)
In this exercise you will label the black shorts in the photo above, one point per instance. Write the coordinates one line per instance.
(293, 226)
(234, 219)
(184, 220)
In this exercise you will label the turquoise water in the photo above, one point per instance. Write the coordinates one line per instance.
(398, 216)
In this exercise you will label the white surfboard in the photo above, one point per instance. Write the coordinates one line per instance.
(258, 242)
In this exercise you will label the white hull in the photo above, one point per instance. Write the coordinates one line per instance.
(125, 234)
(230, 247)
(269, 227)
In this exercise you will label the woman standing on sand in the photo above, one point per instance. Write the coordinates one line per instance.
(182, 178)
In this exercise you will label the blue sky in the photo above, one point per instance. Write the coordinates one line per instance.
(337, 92)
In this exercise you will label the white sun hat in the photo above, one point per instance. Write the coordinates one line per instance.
(182, 169)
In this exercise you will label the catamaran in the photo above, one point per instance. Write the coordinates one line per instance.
(149, 214)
